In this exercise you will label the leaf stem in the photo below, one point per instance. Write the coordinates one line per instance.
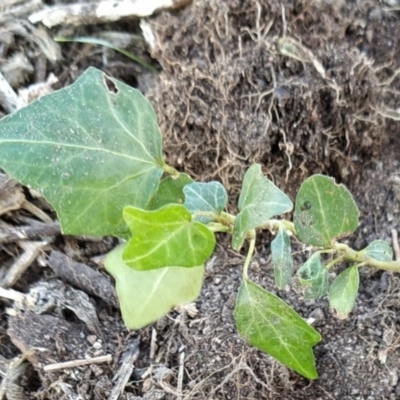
(217, 227)
(171, 171)
(252, 244)
(348, 254)
(274, 224)
(333, 262)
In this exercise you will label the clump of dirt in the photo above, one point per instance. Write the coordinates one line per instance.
(302, 88)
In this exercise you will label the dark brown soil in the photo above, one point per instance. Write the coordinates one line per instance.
(226, 97)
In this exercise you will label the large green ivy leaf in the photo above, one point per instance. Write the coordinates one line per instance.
(268, 323)
(379, 250)
(324, 211)
(314, 277)
(259, 201)
(205, 196)
(165, 237)
(343, 291)
(91, 149)
(170, 191)
(282, 259)
(145, 296)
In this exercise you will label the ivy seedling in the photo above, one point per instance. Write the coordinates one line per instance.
(94, 151)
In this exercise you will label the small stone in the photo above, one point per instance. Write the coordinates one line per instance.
(97, 345)
(91, 339)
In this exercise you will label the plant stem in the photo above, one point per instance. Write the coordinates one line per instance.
(252, 244)
(348, 254)
(171, 171)
(217, 227)
(274, 224)
(223, 218)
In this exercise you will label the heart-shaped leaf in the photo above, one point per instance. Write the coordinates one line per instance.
(170, 191)
(282, 259)
(166, 237)
(379, 250)
(209, 196)
(268, 323)
(259, 201)
(314, 277)
(324, 211)
(343, 291)
(91, 149)
(145, 296)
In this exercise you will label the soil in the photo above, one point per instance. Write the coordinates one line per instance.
(308, 87)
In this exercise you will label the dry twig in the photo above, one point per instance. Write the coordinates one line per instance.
(77, 363)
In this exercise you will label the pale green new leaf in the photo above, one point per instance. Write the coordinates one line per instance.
(379, 250)
(314, 277)
(324, 211)
(209, 196)
(259, 201)
(282, 259)
(170, 191)
(145, 296)
(91, 149)
(343, 291)
(165, 237)
(268, 323)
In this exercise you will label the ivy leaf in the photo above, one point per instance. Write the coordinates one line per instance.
(379, 250)
(259, 201)
(145, 296)
(91, 149)
(314, 277)
(343, 291)
(324, 211)
(165, 237)
(170, 191)
(210, 196)
(268, 323)
(282, 260)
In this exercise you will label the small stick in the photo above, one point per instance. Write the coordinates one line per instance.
(77, 363)
(36, 211)
(11, 294)
(125, 371)
(23, 262)
(396, 247)
(180, 372)
(15, 234)
(153, 343)
(105, 11)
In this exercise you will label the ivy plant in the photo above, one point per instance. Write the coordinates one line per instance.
(94, 151)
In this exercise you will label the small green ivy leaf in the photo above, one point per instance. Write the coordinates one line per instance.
(91, 149)
(324, 211)
(343, 291)
(268, 323)
(379, 250)
(165, 237)
(170, 191)
(146, 296)
(282, 260)
(313, 277)
(209, 196)
(259, 201)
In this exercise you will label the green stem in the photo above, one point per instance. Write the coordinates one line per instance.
(274, 224)
(348, 254)
(333, 262)
(217, 227)
(223, 218)
(252, 244)
(171, 171)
